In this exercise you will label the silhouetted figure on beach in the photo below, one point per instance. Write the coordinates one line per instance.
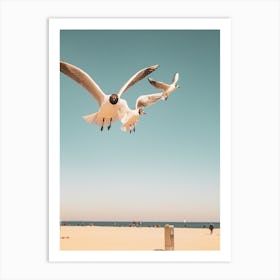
(211, 227)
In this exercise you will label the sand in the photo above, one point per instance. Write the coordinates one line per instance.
(135, 238)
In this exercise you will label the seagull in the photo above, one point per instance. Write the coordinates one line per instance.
(111, 107)
(131, 117)
(167, 89)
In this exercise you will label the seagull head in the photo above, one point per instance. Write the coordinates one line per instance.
(114, 99)
(141, 111)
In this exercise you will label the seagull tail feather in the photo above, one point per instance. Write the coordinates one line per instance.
(92, 118)
(124, 128)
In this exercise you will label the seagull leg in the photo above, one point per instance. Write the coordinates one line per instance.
(133, 128)
(130, 129)
(102, 124)
(110, 124)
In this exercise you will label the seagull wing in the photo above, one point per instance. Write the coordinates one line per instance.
(157, 84)
(147, 100)
(137, 77)
(84, 80)
(122, 109)
(175, 78)
(128, 114)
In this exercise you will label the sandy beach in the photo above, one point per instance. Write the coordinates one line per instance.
(135, 238)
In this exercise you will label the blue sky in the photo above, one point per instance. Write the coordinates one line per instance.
(169, 169)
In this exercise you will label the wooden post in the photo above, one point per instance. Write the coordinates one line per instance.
(169, 237)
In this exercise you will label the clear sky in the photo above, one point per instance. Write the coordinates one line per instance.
(168, 170)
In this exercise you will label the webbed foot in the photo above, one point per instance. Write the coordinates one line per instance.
(110, 124)
(102, 124)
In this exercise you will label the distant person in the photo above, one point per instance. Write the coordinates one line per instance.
(211, 227)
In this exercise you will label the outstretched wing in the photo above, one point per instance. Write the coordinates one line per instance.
(175, 78)
(84, 80)
(137, 77)
(147, 100)
(157, 84)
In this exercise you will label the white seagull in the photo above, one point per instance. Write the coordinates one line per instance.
(111, 107)
(131, 117)
(167, 89)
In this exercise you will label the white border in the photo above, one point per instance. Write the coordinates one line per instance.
(222, 24)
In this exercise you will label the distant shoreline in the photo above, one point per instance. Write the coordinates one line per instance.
(140, 224)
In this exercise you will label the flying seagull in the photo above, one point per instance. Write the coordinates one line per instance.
(111, 107)
(131, 117)
(167, 89)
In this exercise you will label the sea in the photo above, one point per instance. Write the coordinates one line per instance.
(140, 224)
